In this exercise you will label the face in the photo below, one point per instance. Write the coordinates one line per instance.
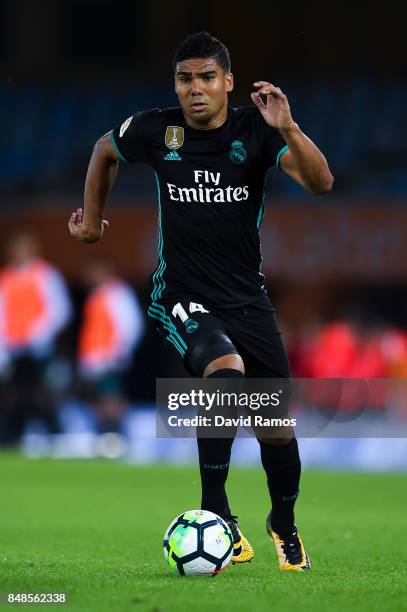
(202, 89)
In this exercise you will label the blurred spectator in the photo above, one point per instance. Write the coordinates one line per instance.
(349, 350)
(345, 349)
(336, 352)
(393, 344)
(34, 308)
(112, 327)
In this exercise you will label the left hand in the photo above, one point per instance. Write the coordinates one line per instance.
(276, 112)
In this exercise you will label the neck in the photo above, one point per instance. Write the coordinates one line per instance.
(215, 122)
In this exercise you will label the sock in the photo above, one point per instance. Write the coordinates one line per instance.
(283, 469)
(214, 459)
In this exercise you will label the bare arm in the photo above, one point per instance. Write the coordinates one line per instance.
(303, 161)
(89, 225)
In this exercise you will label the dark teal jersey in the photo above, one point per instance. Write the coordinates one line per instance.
(210, 198)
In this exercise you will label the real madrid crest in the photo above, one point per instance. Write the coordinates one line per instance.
(237, 153)
(191, 326)
(174, 136)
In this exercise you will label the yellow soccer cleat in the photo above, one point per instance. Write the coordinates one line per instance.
(290, 550)
(242, 550)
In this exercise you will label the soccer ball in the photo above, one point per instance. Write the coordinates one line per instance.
(198, 543)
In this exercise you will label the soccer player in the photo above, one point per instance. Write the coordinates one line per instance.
(208, 296)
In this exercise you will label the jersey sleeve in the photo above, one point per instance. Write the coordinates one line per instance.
(129, 139)
(274, 145)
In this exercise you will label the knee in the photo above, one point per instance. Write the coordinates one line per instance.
(214, 351)
(232, 361)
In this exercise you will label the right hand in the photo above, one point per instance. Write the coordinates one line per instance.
(79, 231)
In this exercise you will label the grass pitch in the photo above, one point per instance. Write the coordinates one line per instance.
(94, 530)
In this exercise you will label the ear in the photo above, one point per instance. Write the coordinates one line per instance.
(229, 82)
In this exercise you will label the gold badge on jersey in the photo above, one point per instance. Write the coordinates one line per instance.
(174, 137)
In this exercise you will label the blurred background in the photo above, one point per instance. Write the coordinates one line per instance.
(78, 358)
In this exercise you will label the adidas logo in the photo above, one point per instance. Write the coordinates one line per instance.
(172, 156)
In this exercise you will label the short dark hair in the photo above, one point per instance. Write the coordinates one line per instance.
(203, 45)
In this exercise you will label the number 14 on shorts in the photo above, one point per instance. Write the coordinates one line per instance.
(179, 310)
